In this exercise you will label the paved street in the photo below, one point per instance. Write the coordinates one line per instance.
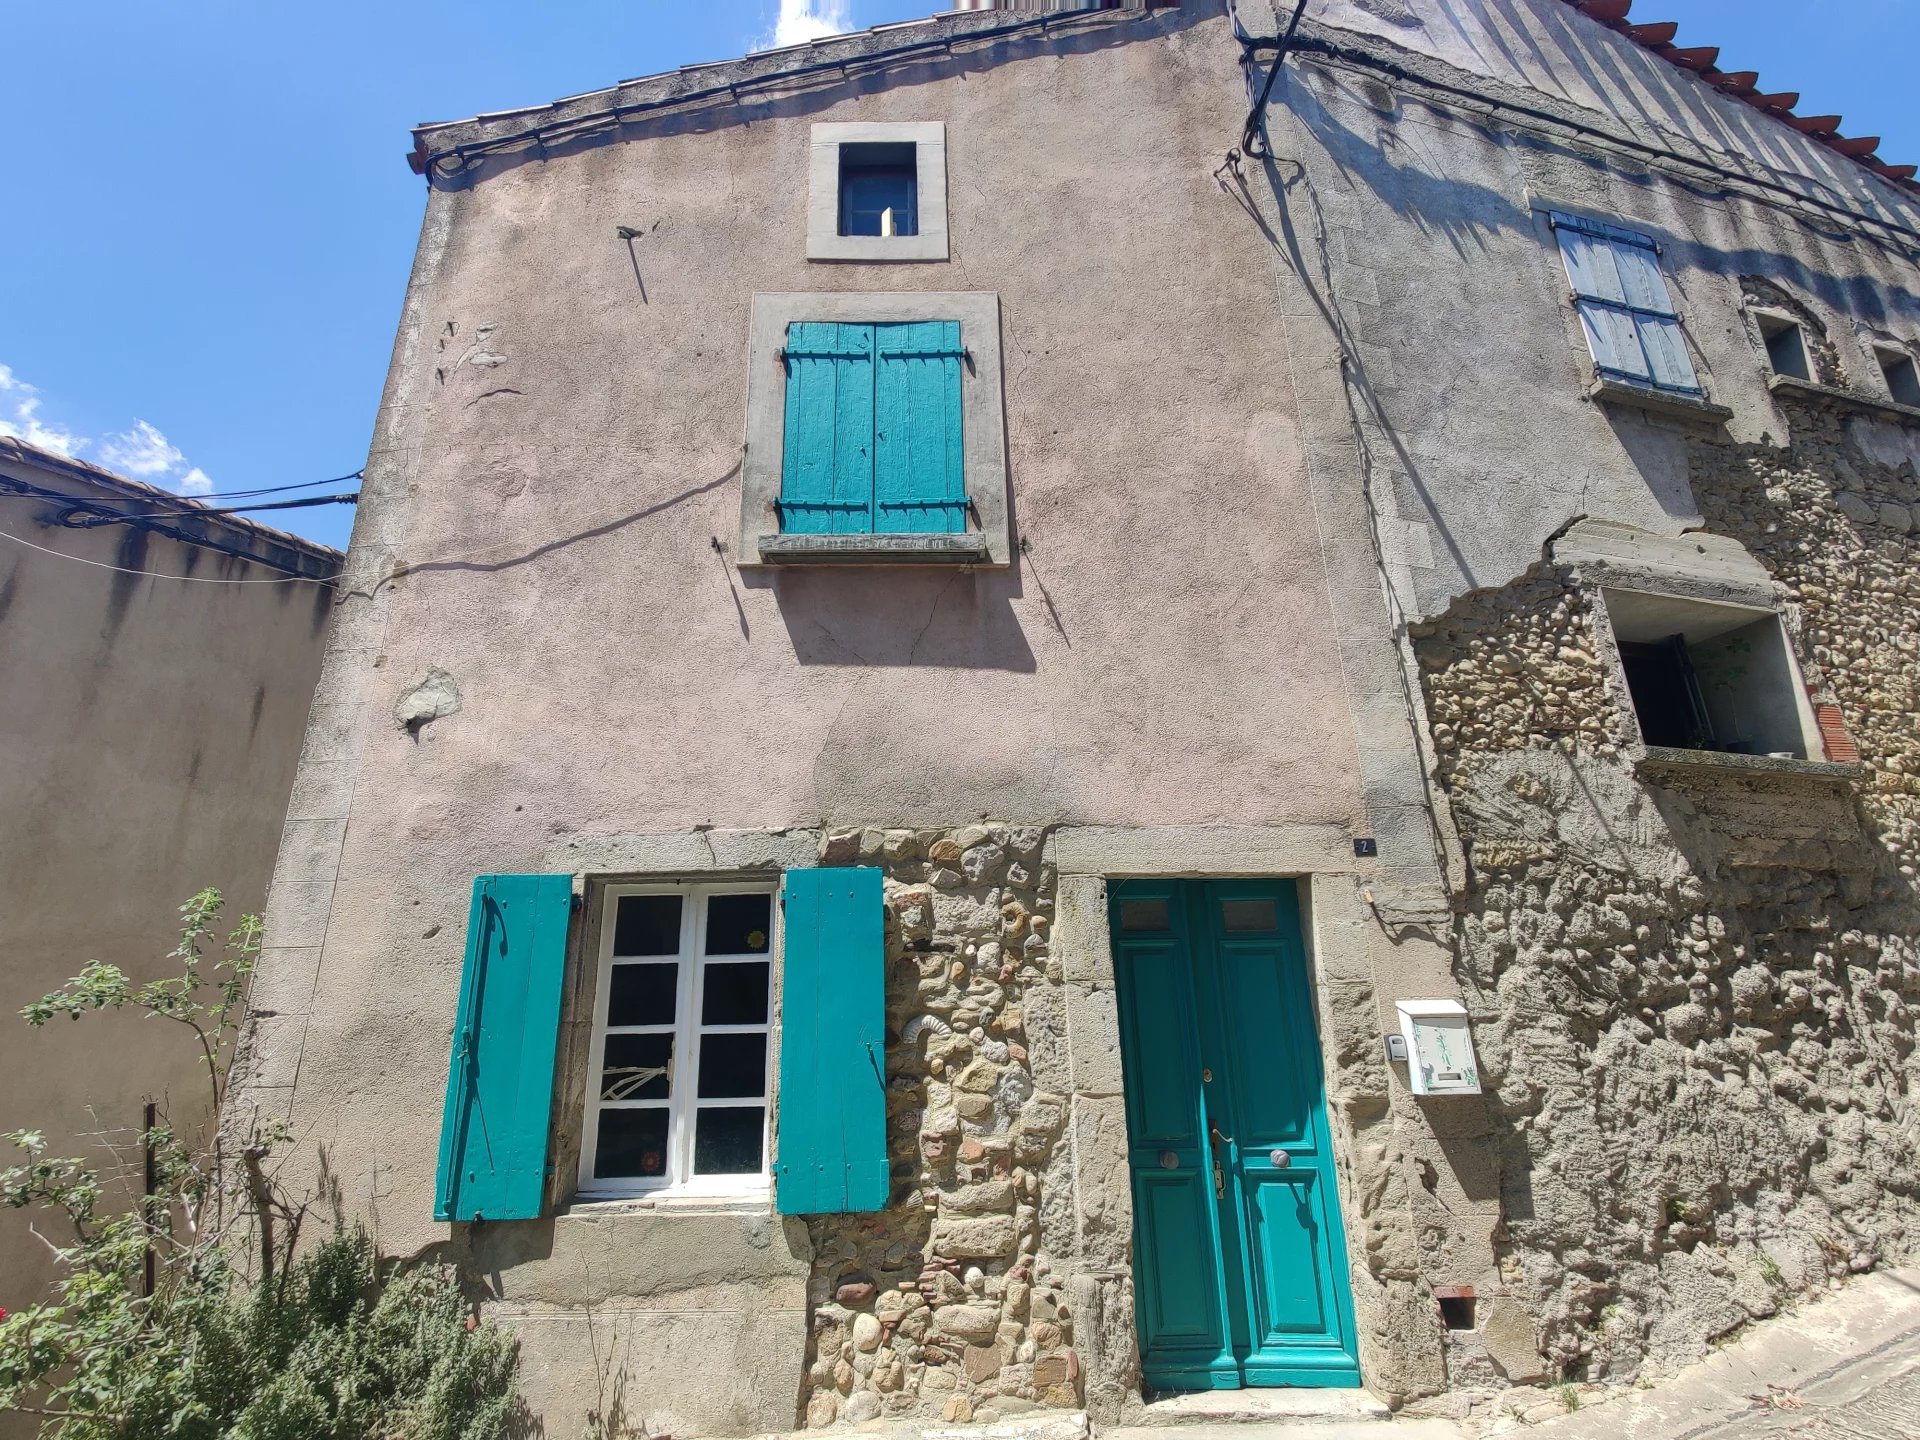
(1845, 1367)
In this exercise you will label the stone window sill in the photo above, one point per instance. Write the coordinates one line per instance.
(1867, 404)
(606, 1207)
(1660, 758)
(1659, 402)
(873, 549)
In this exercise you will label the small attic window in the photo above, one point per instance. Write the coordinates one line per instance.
(1706, 676)
(879, 190)
(1786, 346)
(1903, 381)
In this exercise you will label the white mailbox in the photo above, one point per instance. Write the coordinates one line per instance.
(1440, 1058)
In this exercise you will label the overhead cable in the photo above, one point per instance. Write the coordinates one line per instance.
(163, 575)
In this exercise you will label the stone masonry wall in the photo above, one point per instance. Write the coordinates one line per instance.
(1693, 992)
(950, 1304)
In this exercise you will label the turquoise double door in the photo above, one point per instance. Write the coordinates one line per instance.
(1240, 1269)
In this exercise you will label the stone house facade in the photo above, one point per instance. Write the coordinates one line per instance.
(939, 659)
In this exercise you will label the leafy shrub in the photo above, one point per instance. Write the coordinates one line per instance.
(242, 1337)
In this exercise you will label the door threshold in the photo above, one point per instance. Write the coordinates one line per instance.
(1254, 1407)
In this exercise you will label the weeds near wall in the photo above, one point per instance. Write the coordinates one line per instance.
(195, 1313)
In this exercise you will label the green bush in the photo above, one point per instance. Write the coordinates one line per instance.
(244, 1336)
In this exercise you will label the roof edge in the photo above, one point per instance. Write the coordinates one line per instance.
(437, 143)
(178, 507)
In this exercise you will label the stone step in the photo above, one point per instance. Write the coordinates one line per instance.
(1261, 1407)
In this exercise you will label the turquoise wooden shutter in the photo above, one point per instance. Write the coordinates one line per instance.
(831, 1149)
(826, 477)
(493, 1136)
(919, 478)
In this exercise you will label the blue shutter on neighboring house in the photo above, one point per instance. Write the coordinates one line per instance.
(493, 1136)
(831, 1148)
(919, 479)
(873, 435)
(826, 481)
(1625, 307)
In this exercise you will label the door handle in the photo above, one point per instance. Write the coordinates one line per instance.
(1217, 1140)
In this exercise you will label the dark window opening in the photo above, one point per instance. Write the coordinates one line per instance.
(1903, 381)
(879, 190)
(1705, 676)
(1666, 694)
(1456, 1312)
(1786, 348)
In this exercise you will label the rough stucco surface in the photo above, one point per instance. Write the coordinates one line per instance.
(149, 728)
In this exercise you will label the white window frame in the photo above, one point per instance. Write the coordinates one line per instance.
(682, 1104)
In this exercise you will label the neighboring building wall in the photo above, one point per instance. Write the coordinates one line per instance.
(1692, 984)
(150, 726)
(548, 659)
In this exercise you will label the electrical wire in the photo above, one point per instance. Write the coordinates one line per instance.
(450, 163)
(154, 522)
(1250, 141)
(279, 489)
(162, 575)
(99, 516)
(1365, 60)
(345, 497)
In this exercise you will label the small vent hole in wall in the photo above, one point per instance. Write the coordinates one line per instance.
(1786, 347)
(1456, 1310)
(1903, 382)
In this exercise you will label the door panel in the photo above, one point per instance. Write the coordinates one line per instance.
(1239, 1259)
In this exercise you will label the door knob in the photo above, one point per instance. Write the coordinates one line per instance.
(1281, 1160)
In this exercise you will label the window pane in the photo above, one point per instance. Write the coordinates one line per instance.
(738, 924)
(647, 925)
(1244, 915)
(732, 1067)
(728, 1141)
(637, 1067)
(877, 178)
(734, 994)
(642, 994)
(632, 1143)
(1144, 915)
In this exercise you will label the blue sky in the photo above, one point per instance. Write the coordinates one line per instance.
(207, 218)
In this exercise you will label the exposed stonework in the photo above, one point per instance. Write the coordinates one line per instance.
(949, 1304)
(1693, 990)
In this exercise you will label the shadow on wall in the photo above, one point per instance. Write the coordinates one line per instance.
(949, 619)
(1426, 193)
(832, 80)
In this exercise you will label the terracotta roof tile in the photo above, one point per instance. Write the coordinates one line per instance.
(1658, 36)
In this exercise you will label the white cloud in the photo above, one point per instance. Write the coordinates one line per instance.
(142, 452)
(804, 20)
(28, 426)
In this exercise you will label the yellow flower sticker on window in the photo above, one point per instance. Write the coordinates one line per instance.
(756, 939)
